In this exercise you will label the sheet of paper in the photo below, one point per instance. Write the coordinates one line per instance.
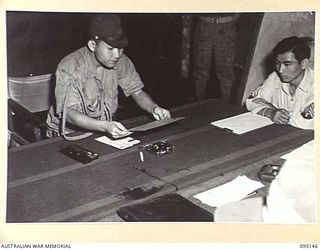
(234, 190)
(155, 124)
(243, 123)
(120, 144)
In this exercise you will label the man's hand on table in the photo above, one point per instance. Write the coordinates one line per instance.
(278, 116)
(160, 113)
(116, 129)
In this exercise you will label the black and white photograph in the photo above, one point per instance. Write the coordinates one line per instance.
(168, 117)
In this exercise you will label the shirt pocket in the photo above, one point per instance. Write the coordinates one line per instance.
(94, 103)
(92, 99)
(112, 87)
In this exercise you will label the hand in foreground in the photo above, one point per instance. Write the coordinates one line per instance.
(116, 129)
(308, 112)
(160, 113)
(280, 116)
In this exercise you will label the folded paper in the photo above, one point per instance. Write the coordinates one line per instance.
(234, 190)
(120, 143)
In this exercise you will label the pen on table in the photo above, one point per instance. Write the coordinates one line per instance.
(251, 194)
(141, 156)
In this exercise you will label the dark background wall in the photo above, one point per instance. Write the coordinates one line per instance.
(37, 41)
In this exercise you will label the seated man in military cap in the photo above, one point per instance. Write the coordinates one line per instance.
(287, 95)
(87, 83)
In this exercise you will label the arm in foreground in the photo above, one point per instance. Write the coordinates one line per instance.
(115, 129)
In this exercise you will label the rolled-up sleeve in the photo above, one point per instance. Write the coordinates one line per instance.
(261, 98)
(297, 120)
(129, 79)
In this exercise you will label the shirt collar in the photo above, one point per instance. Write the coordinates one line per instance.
(304, 84)
(306, 81)
(91, 70)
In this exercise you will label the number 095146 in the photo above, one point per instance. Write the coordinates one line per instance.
(308, 246)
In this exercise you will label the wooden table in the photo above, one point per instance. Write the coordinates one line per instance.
(46, 186)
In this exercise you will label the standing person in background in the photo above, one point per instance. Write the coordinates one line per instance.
(87, 82)
(214, 38)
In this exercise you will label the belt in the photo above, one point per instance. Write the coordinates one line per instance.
(216, 20)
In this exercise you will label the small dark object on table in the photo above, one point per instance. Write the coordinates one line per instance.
(268, 172)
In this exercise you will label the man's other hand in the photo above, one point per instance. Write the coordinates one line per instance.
(160, 113)
(116, 129)
(280, 116)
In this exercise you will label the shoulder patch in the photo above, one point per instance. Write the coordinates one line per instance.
(253, 94)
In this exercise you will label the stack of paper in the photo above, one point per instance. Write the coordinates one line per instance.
(243, 123)
(234, 190)
(120, 143)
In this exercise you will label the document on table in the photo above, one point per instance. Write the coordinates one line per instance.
(120, 143)
(234, 190)
(155, 124)
(243, 123)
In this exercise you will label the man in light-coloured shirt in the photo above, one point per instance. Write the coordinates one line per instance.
(287, 95)
(87, 81)
(291, 197)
